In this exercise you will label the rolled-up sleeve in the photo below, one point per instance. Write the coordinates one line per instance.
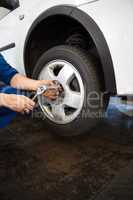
(6, 71)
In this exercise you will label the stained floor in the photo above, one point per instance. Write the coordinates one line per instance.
(38, 165)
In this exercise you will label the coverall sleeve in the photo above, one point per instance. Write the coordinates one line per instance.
(6, 71)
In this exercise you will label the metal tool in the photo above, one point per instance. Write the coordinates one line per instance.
(9, 46)
(41, 90)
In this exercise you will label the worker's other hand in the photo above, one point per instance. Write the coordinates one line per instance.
(17, 103)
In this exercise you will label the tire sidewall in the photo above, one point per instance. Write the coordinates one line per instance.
(80, 124)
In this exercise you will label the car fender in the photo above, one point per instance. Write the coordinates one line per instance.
(95, 33)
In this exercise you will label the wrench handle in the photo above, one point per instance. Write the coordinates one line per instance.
(34, 98)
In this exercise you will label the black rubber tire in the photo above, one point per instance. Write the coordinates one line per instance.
(87, 68)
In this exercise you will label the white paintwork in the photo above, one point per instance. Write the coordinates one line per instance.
(3, 12)
(114, 18)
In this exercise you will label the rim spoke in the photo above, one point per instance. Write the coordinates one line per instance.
(47, 74)
(73, 99)
(65, 74)
(58, 112)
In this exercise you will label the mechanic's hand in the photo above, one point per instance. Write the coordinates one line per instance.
(39, 83)
(17, 103)
(51, 94)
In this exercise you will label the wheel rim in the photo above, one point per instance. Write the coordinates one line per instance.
(68, 107)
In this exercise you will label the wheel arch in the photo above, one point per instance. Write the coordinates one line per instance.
(93, 30)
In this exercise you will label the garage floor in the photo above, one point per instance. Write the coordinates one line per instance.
(37, 165)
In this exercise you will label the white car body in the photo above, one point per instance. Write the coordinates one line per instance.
(113, 17)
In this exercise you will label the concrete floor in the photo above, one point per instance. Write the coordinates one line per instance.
(35, 164)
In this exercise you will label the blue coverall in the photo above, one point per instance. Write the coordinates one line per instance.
(6, 74)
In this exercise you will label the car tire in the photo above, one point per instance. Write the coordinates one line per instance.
(85, 66)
